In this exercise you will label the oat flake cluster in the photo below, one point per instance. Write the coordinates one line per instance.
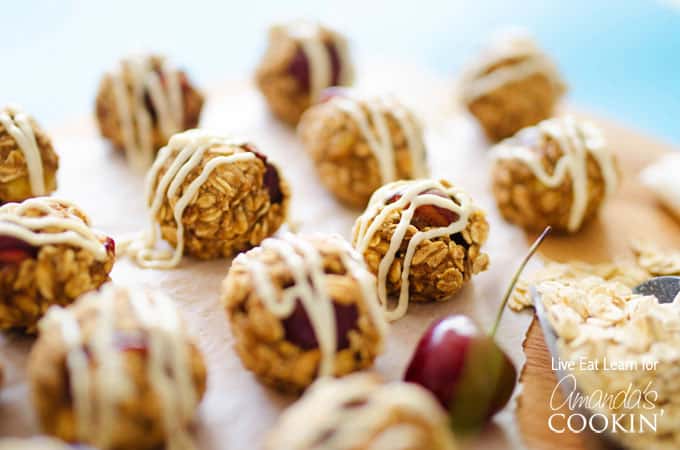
(423, 241)
(556, 173)
(512, 85)
(145, 380)
(302, 308)
(360, 143)
(49, 255)
(362, 412)
(28, 162)
(209, 196)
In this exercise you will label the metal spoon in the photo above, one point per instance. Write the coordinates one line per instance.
(665, 289)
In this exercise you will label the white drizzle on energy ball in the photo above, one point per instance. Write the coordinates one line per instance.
(359, 412)
(373, 111)
(306, 264)
(133, 114)
(309, 36)
(40, 231)
(185, 151)
(513, 44)
(577, 141)
(98, 390)
(18, 125)
(412, 194)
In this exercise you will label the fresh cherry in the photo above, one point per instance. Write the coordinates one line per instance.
(300, 332)
(13, 250)
(466, 370)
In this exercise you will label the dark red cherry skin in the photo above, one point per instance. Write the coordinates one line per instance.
(14, 251)
(465, 370)
(300, 332)
(299, 66)
(271, 179)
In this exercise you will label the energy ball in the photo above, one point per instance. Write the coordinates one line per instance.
(28, 163)
(423, 241)
(37, 444)
(142, 103)
(49, 255)
(209, 196)
(556, 173)
(302, 59)
(360, 143)
(302, 308)
(116, 370)
(514, 84)
(359, 412)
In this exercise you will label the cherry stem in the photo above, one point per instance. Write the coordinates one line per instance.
(516, 276)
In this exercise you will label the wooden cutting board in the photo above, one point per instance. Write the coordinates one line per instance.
(237, 411)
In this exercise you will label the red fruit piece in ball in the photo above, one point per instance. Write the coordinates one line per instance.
(300, 332)
(429, 215)
(14, 251)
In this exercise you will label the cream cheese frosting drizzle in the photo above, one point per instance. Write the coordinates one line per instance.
(373, 112)
(99, 389)
(306, 265)
(163, 87)
(309, 35)
(577, 141)
(413, 194)
(516, 46)
(51, 228)
(184, 153)
(372, 405)
(17, 123)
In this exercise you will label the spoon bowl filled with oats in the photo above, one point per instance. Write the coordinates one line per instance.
(616, 354)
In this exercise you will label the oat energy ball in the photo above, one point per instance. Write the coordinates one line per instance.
(360, 143)
(359, 412)
(556, 173)
(423, 241)
(28, 163)
(49, 255)
(116, 370)
(142, 103)
(37, 444)
(511, 86)
(209, 196)
(302, 308)
(302, 59)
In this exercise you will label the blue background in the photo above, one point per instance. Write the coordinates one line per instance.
(621, 58)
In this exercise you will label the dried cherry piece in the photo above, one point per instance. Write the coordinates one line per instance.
(271, 178)
(14, 251)
(429, 215)
(299, 66)
(148, 103)
(110, 246)
(300, 332)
